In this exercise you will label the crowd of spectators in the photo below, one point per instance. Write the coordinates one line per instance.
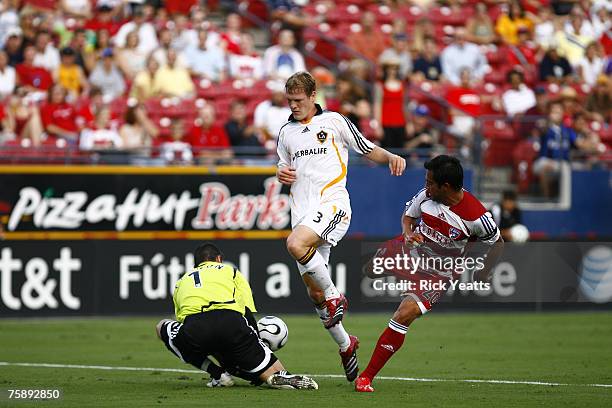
(84, 73)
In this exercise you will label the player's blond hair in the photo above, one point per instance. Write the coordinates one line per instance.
(301, 81)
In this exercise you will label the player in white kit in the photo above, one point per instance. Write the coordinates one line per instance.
(313, 158)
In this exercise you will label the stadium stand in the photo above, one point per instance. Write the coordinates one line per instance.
(528, 38)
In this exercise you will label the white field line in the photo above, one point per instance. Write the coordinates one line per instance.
(411, 379)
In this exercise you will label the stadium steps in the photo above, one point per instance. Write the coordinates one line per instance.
(494, 181)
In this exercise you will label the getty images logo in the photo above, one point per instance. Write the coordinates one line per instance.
(596, 276)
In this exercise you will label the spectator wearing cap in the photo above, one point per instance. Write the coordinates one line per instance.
(271, 114)
(69, 74)
(555, 68)
(103, 19)
(479, 27)
(204, 61)
(146, 33)
(599, 101)
(368, 41)
(428, 66)
(31, 77)
(14, 46)
(519, 97)
(47, 56)
(130, 59)
(107, 76)
(506, 214)
(283, 60)
(390, 104)
(8, 76)
(591, 65)
(172, 80)
(461, 55)
(399, 50)
(249, 64)
(511, 20)
(420, 133)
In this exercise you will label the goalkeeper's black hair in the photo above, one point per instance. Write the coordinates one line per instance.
(206, 252)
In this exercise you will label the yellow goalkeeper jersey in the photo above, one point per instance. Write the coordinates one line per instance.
(212, 286)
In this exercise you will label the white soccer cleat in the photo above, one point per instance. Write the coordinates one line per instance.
(225, 380)
(285, 381)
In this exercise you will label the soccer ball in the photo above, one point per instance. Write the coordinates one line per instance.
(273, 331)
(519, 233)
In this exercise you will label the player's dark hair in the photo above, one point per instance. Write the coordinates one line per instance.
(446, 169)
(509, 195)
(206, 252)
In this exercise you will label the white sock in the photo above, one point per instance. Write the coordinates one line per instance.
(337, 332)
(318, 271)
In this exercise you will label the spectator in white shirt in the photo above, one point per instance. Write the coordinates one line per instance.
(591, 65)
(601, 18)
(47, 56)
(462, 55)
(519, 98)
(283, 60)
(147, 37)
(272, 114)
(7, 76)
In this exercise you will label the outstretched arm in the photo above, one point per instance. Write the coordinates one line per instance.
(397, 164)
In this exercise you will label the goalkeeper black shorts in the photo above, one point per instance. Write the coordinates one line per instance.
(224, 334)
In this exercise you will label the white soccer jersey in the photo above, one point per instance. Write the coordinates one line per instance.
(318, 151)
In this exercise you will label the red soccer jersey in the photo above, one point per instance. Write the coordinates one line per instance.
(63, 115)
(465, 99)
(37, 77)
(447, 230)
(214, 136)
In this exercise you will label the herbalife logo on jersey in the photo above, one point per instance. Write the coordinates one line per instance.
(214, 207)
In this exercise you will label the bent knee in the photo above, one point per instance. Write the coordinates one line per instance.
(407, 312)
(159, 325)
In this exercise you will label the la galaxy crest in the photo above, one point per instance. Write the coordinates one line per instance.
(322, 136)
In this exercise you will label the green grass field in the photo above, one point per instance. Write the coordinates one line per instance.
(569, 348)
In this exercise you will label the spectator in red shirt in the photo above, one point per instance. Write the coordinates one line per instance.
(208, 138)
(60, 117)
(231, 38)
(390, 103)
(30, 77)
(103, 20)
(525, 52)
(465, 106)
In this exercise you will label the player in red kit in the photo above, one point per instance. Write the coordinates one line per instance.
(437, 225)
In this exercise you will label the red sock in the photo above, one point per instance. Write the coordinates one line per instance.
(389, 342)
